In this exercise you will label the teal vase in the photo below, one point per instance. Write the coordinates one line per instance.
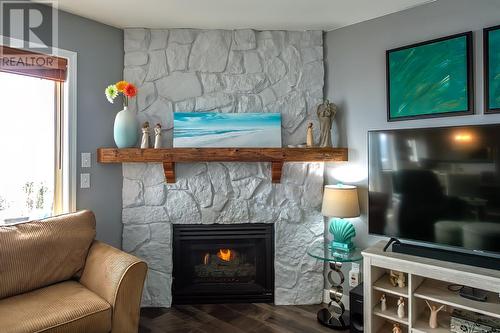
(126, 129)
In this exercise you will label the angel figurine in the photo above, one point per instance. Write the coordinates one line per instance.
(433, 319)
(398, 279)
(326, 112)
(396, 328)
(157, 136)
(383, 303)
(309, 136)
(401, 308)
(145, 135)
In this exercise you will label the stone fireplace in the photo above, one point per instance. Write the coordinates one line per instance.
(226, 71)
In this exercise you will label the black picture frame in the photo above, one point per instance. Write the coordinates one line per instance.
(486, 70)
(470, 78)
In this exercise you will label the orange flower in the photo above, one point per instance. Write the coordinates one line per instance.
(130, 90)
(120, 85)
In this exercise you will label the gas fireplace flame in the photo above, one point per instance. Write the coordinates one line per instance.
(225, 254)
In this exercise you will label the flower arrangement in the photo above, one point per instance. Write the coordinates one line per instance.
(126, 88)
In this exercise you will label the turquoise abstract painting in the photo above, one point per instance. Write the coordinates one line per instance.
(430, 79)
(492, 69)
(219, 130)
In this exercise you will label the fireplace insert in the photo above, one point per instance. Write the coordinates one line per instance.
(223, 263)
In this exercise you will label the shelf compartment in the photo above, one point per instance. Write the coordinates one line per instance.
(390, 314)
(170, 156)
(422, 323)
(437, 291)
(383, 284)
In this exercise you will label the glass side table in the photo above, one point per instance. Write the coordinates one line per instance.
(334, 316)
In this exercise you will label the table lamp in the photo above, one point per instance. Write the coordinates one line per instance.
(340, 202)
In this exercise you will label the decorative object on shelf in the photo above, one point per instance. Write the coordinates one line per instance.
(125, 129)
(431, 79)
(433, 319)
(339, 202)
(491, 62)
(218, 130)
(383, 303)
(157, 136)
(397, 279)
(401, 308)
(326, 112)
(396, 328)
(145, 135)
(309, 136)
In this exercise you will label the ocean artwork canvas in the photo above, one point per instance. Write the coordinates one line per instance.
(430, 79)
(219, 130)
(492, 69)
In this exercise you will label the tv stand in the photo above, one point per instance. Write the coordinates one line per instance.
(426, 280)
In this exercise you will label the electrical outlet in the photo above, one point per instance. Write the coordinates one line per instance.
(85, 180)
(86, 160)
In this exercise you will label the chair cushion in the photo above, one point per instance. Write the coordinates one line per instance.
(40, 253)
(63, 307)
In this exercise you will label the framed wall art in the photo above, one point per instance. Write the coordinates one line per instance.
(431, 79)
(491, 53)
(218, 130)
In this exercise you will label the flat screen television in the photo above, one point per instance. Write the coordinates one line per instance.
(439, 187)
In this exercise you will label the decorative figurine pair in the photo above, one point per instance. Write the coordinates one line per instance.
(397, 279)
(401, 306)
(145, 136)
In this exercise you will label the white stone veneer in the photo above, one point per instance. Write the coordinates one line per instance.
(226, 71)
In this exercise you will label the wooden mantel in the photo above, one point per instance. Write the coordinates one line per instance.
(170, 156)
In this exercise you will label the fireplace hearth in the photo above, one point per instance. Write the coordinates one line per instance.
(223, 263)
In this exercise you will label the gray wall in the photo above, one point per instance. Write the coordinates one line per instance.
(100, 62)
(355, 78)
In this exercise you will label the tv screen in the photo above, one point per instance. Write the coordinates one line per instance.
(437, 185)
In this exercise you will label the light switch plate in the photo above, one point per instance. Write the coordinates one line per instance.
(85, 180)
(86, 160)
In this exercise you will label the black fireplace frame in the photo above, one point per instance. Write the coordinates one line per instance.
(186, 232)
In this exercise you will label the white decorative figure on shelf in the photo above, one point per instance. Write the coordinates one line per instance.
(433, 318)
(157, 136)
(401, 307)
(396, 328)
(309, 136)
(383, 303)
(398, 279)
(145, 136)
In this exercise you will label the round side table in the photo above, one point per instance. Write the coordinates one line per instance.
(334, 316)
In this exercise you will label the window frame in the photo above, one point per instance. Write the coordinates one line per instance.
(68, 90)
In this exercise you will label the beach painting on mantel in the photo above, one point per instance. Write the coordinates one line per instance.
(219, 130)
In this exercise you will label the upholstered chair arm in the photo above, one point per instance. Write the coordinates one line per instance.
(117, 277)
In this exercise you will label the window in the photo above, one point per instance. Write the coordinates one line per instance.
(36, 177)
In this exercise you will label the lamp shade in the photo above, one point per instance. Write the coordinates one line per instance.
(340, 201)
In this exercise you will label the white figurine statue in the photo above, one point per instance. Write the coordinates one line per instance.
(401, 307)
(157, 136)
(145, 135)
(309, 136)
(398, 279)
(433, 318)
(383, 303)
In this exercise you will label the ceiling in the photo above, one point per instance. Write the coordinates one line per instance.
(235, 14)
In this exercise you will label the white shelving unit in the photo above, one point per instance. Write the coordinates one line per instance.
(426, 280)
